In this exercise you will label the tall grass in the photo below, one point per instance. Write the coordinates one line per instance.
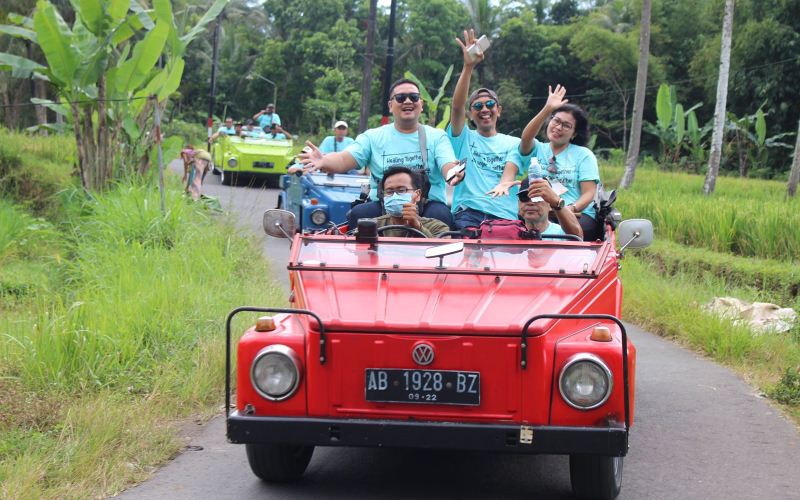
(127, 337)
(746, 217)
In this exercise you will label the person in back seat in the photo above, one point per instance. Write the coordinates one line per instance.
(535, 203)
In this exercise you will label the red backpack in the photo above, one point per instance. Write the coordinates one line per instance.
(503, 229)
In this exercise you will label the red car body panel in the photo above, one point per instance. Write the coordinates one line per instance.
(377, 303)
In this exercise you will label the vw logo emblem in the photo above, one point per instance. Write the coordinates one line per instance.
(422, 354)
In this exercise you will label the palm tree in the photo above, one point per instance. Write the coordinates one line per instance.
(639, 96)
(722, 96)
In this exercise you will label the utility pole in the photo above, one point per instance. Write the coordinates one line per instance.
(387, 77)
(213, 96)
(366, 80)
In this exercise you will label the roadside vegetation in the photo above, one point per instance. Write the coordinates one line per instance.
(112, 321)
(743, 242)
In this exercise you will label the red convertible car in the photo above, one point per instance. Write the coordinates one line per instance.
(501, 346)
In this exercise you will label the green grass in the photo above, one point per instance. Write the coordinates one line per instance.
(746, 217)
(112, 328)
(671, 306)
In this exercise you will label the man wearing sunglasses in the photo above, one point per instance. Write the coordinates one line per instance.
(536, 200)
(392, 145)
(487, 152)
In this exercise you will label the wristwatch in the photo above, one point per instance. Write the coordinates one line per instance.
(559, 205)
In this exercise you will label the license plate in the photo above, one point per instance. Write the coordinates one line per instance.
(263, 164)
(442, 387)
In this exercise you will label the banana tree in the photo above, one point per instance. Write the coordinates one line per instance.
(671, 124)
(117, 60)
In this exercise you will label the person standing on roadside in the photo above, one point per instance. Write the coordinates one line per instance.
(405, 142)
(267, 117)
(338, 141)
(202, 162)
(487, 153)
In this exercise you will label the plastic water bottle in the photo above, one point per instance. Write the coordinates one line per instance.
(534, 170)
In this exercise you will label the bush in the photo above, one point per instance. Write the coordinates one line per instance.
(788, 389)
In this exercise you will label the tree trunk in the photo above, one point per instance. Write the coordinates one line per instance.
(104, 161)
(624, 123)
(722, 97)
(366, 80)
(76, 120)
(632, 158)
(41, 92)
(742, 159)
(794, 176)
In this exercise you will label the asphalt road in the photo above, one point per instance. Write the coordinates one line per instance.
(700, 433)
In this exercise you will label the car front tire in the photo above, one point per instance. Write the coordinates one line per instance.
(225, 177)
(278, 462)
(595, 476)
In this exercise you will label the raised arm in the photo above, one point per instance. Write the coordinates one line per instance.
(555, 99)
(257, 115)
(337, 163)
(458, 113)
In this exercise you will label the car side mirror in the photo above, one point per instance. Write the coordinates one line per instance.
(634, 233)
(279, 223)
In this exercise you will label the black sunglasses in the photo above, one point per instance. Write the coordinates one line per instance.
(401, 98)
(479, 105)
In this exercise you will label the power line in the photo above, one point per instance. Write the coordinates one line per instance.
(699, 78)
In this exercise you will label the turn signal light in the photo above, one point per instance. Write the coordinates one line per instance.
(314, 201)
(601, 334)
(265, 324)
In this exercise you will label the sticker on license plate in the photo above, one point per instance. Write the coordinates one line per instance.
(442, 387)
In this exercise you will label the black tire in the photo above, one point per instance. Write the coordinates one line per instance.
(278, 462)
(595, 476)
(225, 178)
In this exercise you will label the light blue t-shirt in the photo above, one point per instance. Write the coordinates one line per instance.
(265, 120)
(329, 144)
(226, 130)
(486, 158)
(573, 165)
(554, 229)
(384, 147)
(256, 133)
(278, 137)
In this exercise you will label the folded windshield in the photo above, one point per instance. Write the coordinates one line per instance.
(408, 255)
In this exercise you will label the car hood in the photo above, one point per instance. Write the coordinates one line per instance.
(437, 303)
(261, 149)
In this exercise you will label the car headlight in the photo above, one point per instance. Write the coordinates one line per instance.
(232, 162)
(275, 372)
(319, 217)
(585, 382)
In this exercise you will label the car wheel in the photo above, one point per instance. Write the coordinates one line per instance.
(225, 177)
(278, 462)
(595, 476)
(215, 170)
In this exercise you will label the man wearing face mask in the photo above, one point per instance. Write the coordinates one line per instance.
(402, 190)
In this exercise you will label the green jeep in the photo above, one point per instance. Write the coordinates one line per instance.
(252, 157)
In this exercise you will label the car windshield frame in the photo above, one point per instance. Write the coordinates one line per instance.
(545, 258)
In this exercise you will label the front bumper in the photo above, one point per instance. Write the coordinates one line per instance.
(610, 441)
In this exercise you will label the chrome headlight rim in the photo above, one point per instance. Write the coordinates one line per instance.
(283, 350)
(592, 358)
(232, 162)
(319, 211)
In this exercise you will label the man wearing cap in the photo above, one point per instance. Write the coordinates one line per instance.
(487, 153)
(395, 144)
(266, 117)
(535, 202)
(338, 141)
